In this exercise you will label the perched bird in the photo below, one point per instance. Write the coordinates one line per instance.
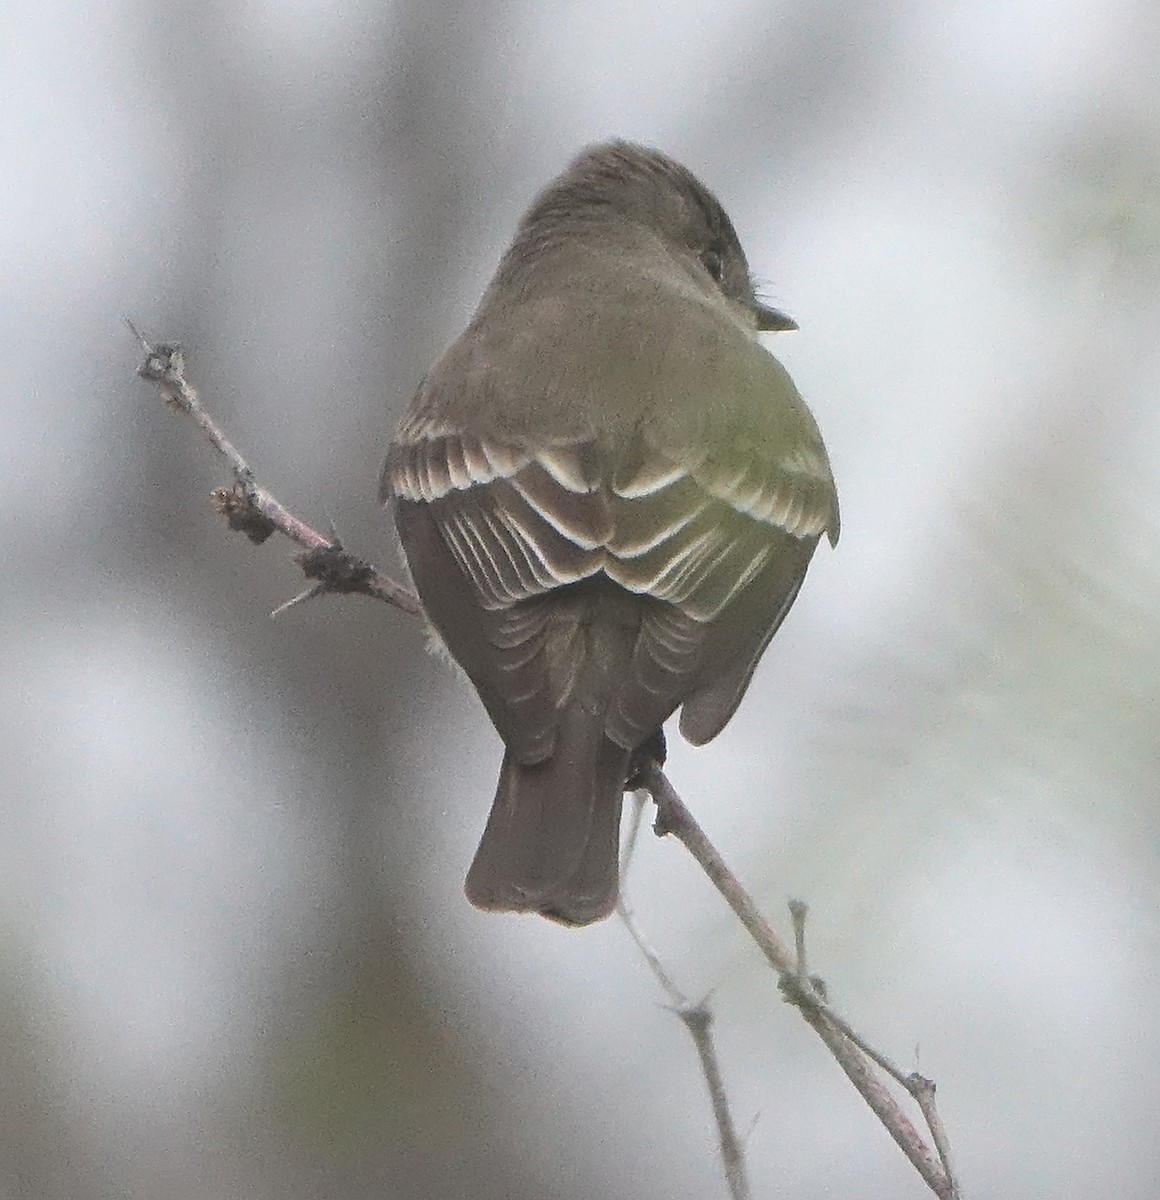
(608, 493)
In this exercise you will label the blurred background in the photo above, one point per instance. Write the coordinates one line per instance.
(235, 960)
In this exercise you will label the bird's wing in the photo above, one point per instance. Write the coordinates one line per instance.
(725, 546)
(518, 523)
(708, 508)
(514, 527)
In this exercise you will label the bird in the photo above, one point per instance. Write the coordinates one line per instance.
(607, 492)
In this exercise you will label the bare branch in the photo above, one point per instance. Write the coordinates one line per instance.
(696, 1018)
(673, 817)
(800, 990)
(677, 998)
(923, 1089)
(252, 510)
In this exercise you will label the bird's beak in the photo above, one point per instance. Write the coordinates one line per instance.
(771, 320)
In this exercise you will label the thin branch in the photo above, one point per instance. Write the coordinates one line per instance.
(255, 512)
(696, 1018)
(918, 1086)
(677, 998)
(673, 817)
(797, 914)
(800, 990)
(923, 1089)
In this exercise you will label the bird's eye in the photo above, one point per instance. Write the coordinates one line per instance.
(711, 259)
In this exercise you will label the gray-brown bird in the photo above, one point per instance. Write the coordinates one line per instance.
(608, 493)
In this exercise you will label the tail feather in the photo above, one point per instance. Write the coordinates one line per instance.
(551, 844)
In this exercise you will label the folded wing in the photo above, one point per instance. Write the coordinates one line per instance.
(549, 539)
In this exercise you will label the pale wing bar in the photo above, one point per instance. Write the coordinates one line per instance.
(521, 524)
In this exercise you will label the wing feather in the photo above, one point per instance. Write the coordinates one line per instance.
(714, 549)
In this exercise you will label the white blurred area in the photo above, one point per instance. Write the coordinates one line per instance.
(235, 960)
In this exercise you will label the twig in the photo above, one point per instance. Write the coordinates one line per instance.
(696, 1018)
(923, 1089)
(673, 817)
(918, 1086)
(800, 990)
(255, 512)
(677, 998)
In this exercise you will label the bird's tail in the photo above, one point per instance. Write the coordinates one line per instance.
(552, 840)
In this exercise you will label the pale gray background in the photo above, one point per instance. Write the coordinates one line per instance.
(236, 961)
